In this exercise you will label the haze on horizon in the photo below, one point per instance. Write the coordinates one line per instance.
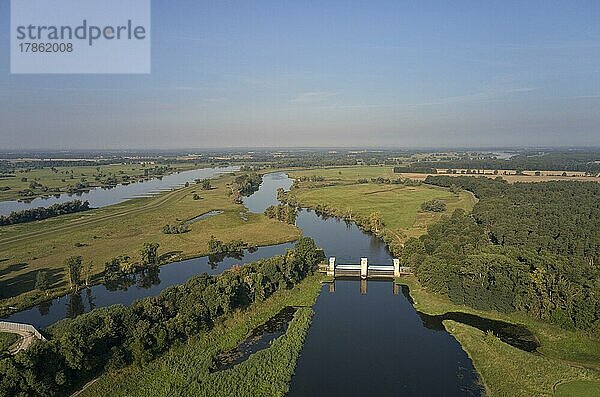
(329, 74)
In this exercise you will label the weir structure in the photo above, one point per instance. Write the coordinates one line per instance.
(364, 270)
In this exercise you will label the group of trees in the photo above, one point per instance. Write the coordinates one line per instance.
(218, 247)
(121, 272)
(282, 212)
(246, 184)
(175, 229)
(204, 184)
(435, 205)
(37, 214)
(528, 247)
(115, 336)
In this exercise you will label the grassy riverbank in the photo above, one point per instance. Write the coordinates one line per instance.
(567, 357)
(122, 229)
(31, 183)
(399, 205)
(184, 370)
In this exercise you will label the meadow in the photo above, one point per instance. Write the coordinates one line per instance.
(399, 205)
(59, 179)
(102, 234)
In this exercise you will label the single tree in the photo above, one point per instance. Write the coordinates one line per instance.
(41, 280)
(149, 254)
(73, 267)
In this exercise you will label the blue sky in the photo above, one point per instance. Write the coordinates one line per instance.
(329, 73)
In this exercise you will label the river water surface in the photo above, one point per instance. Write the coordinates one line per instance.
(365, 339)
(101, 197)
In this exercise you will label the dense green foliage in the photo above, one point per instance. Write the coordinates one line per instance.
(219, 248)
(283, 213)
(527, 247)
(175, 229)
(38, 214)
(435, 205)
(6, 340)
(115, 336)
(264, 373)
(246, 184)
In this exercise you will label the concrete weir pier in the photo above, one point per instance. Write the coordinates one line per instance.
(364, 270)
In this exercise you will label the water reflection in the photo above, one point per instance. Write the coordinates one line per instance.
(147, 283)
(101, 197)
(375, 344)
(260, 338)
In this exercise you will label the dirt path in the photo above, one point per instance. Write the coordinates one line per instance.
(25, 340)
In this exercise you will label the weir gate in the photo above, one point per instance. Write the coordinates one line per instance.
(364, 270)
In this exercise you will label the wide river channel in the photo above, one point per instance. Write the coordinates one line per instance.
(365, 339)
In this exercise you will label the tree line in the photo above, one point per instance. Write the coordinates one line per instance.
(583, 161)
(40, 213)
(116, 336)
(530, 247)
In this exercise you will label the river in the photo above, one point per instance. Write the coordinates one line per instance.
(102, 197)
(365, 339)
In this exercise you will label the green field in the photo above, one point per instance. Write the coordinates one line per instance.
(566, 356)
(58, 179)
(399, 205)
(184, 370)
(579, 388)
(101, 234)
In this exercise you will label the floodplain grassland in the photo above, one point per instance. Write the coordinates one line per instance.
(102, 234)
(58, 179)
(399, 205)
(565, 357)
(185, 369)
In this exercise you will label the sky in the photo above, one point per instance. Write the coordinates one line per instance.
(331, 73)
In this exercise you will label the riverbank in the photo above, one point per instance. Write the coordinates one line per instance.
(100, 235)
(355, 194)
(185, 369)
(564, 356)
(28, 184)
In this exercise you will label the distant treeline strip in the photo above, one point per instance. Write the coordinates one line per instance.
(556, 161)
(40, 213)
